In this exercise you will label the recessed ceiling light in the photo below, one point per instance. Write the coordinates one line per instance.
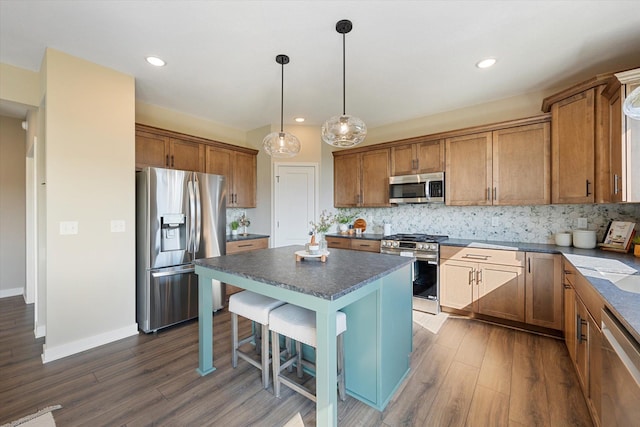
(154, 60)
(486, 63)
(299, 119)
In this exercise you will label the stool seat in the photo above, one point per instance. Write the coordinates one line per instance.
(299, 324)
(256, 308)
(253, 306)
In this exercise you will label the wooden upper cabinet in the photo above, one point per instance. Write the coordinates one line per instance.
(616, 182)
(573, 156)
(186, 155)
(240, 170)
(469, 169)
(419, 157)
(151, 150)
(361, 179)
(522, 165)
(630, 130)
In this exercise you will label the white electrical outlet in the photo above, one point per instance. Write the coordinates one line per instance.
(118, 226)
(495, 221)
(581, 222)
(68, 227)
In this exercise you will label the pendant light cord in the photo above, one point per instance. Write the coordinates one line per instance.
(344, 74)
(282, 101)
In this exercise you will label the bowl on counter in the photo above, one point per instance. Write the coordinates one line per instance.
(563, 239)
(584, 239)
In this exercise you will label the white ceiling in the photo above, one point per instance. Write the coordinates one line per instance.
(405, 59)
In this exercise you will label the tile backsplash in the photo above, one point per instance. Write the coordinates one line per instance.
(532, 224)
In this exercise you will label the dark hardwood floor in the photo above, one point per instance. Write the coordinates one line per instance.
(469, 374)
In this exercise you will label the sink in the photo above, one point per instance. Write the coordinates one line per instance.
(626, 282)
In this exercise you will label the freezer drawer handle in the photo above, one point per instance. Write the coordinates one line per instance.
(173, 272)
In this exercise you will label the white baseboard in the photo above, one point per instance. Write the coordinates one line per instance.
(54, 353)
(6, 293)
(40, 331)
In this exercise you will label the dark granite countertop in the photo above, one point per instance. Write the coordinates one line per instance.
(600, 268)
(365, 236)
(343, 272)
(241, 237)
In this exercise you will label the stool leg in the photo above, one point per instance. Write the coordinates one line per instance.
(341, 374)
(299, 358)
(257, 336)
(275, 351)
(234, 340)
(265, 356)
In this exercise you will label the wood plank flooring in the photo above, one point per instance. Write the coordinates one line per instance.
(469, 374)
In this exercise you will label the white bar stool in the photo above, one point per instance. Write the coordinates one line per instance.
(299, 324)
(254, 307)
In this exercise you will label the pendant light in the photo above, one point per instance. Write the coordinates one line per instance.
(344, 130)
(281, 144)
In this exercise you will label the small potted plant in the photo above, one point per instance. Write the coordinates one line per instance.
(234, 228)
(344, 218)
(244, 221)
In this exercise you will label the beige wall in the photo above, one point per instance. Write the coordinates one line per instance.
(19, 85)
(12, 207)
(90, 164)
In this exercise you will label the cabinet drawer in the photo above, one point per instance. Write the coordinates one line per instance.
(338, 242)
(490, 256)
(365, 245)
(247, 245)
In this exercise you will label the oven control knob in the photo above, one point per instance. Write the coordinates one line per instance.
(433, 247)
(396, 244)
(419, 246)
(384, 243)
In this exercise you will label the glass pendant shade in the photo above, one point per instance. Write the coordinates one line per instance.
(281, 144)
(631, 106)
(344, 131)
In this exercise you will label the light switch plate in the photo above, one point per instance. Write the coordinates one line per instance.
(68, 227)
(495, 221)
(581, 222)
(118, 226)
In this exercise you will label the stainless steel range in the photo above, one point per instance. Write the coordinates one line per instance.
(426, 270)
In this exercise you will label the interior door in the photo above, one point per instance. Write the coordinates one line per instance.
(295, 203)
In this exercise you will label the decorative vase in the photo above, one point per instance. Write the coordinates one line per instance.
(244, 233)
(321, 242)
(234, 232)
(343, 228)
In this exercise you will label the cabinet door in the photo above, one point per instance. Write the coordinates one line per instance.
(595, 366)
(244, 180)
(543, 282)
(572, 142)
(403, 161)
(500, 292)
(429, 156)
(375, 178)
(616, 182)
(218, 162)
(186, 155)
(151, 150)
(346, 181)
(456, 284)
(522, 165)
(468, 170)
(582, 349)
(632, 152)
(570, 320)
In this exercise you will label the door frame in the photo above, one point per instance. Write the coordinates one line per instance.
(274, 195)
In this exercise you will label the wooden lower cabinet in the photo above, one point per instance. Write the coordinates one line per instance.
(245, 245)
(544, 290)
(355, 244)
(583, 337)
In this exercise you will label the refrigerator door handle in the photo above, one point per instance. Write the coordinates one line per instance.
(172, 272)
(198, 214)
(192, 220)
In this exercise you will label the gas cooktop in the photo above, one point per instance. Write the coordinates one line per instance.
(423, 238)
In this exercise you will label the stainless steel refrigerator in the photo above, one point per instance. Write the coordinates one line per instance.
(180, 217)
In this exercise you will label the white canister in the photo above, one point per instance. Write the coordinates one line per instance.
(387, 229)
(563, 239)
(585, 239)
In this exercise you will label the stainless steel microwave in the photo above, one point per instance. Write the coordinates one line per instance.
(419, 188)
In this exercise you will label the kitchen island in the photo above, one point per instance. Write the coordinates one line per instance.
(375, 292)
